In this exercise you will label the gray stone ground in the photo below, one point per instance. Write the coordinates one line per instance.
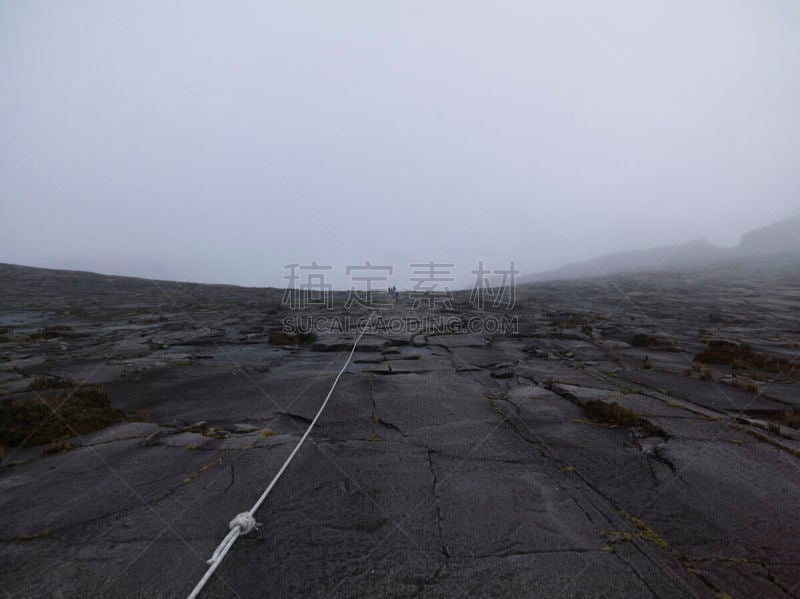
(446, 465)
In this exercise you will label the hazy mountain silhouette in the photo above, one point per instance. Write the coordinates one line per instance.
(779, 238)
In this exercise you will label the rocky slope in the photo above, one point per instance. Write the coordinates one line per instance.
(633, 438)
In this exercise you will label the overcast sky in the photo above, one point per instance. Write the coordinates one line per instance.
(220, 141)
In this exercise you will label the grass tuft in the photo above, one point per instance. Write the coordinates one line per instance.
(741, 356)
(617, 415)
(370, 525)
(44, 382)
(282, 338)
(28, 422)
(792, 419)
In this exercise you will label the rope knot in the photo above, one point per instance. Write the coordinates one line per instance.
(244, 521)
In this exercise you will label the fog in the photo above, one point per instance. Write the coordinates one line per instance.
(218, 142)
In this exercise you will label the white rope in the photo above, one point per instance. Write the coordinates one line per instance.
(245, 522)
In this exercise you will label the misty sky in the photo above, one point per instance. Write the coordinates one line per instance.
(219, 141)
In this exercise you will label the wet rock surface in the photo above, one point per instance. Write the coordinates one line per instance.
(589, 454)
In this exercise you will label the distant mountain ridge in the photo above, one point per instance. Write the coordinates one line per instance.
(778, 238)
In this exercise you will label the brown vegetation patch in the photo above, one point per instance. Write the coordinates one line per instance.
(792, 419)
(34, 421)
(742, 357)
(50, 332)
(46, 381)
(617, 415)
(282, 338)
